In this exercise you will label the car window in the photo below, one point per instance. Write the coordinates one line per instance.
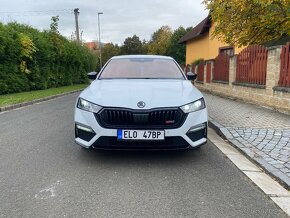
(141, 68)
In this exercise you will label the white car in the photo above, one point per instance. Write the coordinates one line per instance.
(141, 102)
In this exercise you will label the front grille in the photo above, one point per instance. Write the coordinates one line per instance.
(141, 119)
(110, 142)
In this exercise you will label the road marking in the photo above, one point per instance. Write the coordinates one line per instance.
(267, 184)
(48, 192)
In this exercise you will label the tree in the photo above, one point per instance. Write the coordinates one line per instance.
(132, 45)
(160, 40)
(54, 24)
(175, 50)
(27, 50)
(244, 22)
(55, 35)
(109, 50)
(145, 46)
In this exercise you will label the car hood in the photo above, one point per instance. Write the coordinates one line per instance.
(128, 92)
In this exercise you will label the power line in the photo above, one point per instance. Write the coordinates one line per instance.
(35, 13)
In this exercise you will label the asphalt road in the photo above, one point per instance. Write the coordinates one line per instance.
(43, 173)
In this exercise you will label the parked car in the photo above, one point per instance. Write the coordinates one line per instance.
(141, 102)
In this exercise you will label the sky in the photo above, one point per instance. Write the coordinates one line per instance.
(120, 19)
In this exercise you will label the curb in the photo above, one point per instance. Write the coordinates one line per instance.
(27, 103)
(252, 156)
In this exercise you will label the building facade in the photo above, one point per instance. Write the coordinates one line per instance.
(201, 45)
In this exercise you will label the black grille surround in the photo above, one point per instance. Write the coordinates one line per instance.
(125, 118)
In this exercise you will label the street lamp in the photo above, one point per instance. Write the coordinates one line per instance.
(100, 46)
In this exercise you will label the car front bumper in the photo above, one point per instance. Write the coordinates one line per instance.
(192, 133)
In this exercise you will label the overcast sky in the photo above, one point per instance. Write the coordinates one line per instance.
(120, 20)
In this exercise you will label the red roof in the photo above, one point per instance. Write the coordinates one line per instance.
(91, 45)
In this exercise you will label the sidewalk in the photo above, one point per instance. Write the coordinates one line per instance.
(262, 134)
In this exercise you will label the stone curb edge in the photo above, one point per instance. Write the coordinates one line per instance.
(251, 155)
(27, 103)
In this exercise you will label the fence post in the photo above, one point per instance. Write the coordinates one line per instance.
(273, 67)
(208, 75)
(195, 69)
(204, 72)
(233, 70)
(212, 69)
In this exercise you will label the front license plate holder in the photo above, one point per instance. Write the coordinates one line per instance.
(141, 135)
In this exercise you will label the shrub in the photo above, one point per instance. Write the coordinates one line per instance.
(31, 59)
(197, 61)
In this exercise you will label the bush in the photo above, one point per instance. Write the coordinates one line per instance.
(33, 60)
(197, 61)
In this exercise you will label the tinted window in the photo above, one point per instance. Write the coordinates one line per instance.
(138, 68)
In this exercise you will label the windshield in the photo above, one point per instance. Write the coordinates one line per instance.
(141, 68)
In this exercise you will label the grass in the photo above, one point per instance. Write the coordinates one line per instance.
(10, 99)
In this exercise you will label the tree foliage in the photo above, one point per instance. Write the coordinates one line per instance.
(175, 50)
(244, 22)
(132, 45)
(31, 60)
(159, 43)
(54, 25)
(162, 42)
(109, 50)
(26, 53)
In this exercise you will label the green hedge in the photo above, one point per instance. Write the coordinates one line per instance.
(34, 60)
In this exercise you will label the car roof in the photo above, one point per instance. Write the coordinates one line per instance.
(142, 56)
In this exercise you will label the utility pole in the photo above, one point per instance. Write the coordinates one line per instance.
(100, 45)
(76, 12)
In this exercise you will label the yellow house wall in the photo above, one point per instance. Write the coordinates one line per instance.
(205, 47)
(197, 48)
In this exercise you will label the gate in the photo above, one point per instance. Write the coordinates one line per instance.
(221, 67)
(200, 72)
(284, 79)
(252, 65)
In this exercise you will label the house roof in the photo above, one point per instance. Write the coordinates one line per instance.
(198, 30)
(91, 45)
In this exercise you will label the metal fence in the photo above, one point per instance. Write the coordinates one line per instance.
(284, 80)
(200, 72)
(252, 65)
(221, 67)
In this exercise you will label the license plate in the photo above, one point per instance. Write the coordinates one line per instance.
(140, 134)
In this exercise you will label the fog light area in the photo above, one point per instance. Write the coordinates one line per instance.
(197, 128)
(84, 132)
(87, 129)
(198, 132)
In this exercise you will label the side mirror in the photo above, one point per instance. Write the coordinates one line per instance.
(92, 75)
(191, 76)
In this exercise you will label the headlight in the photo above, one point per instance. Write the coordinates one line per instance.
(194, 106)
(88, 106)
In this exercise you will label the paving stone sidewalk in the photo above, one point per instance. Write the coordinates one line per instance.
(262, 134)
